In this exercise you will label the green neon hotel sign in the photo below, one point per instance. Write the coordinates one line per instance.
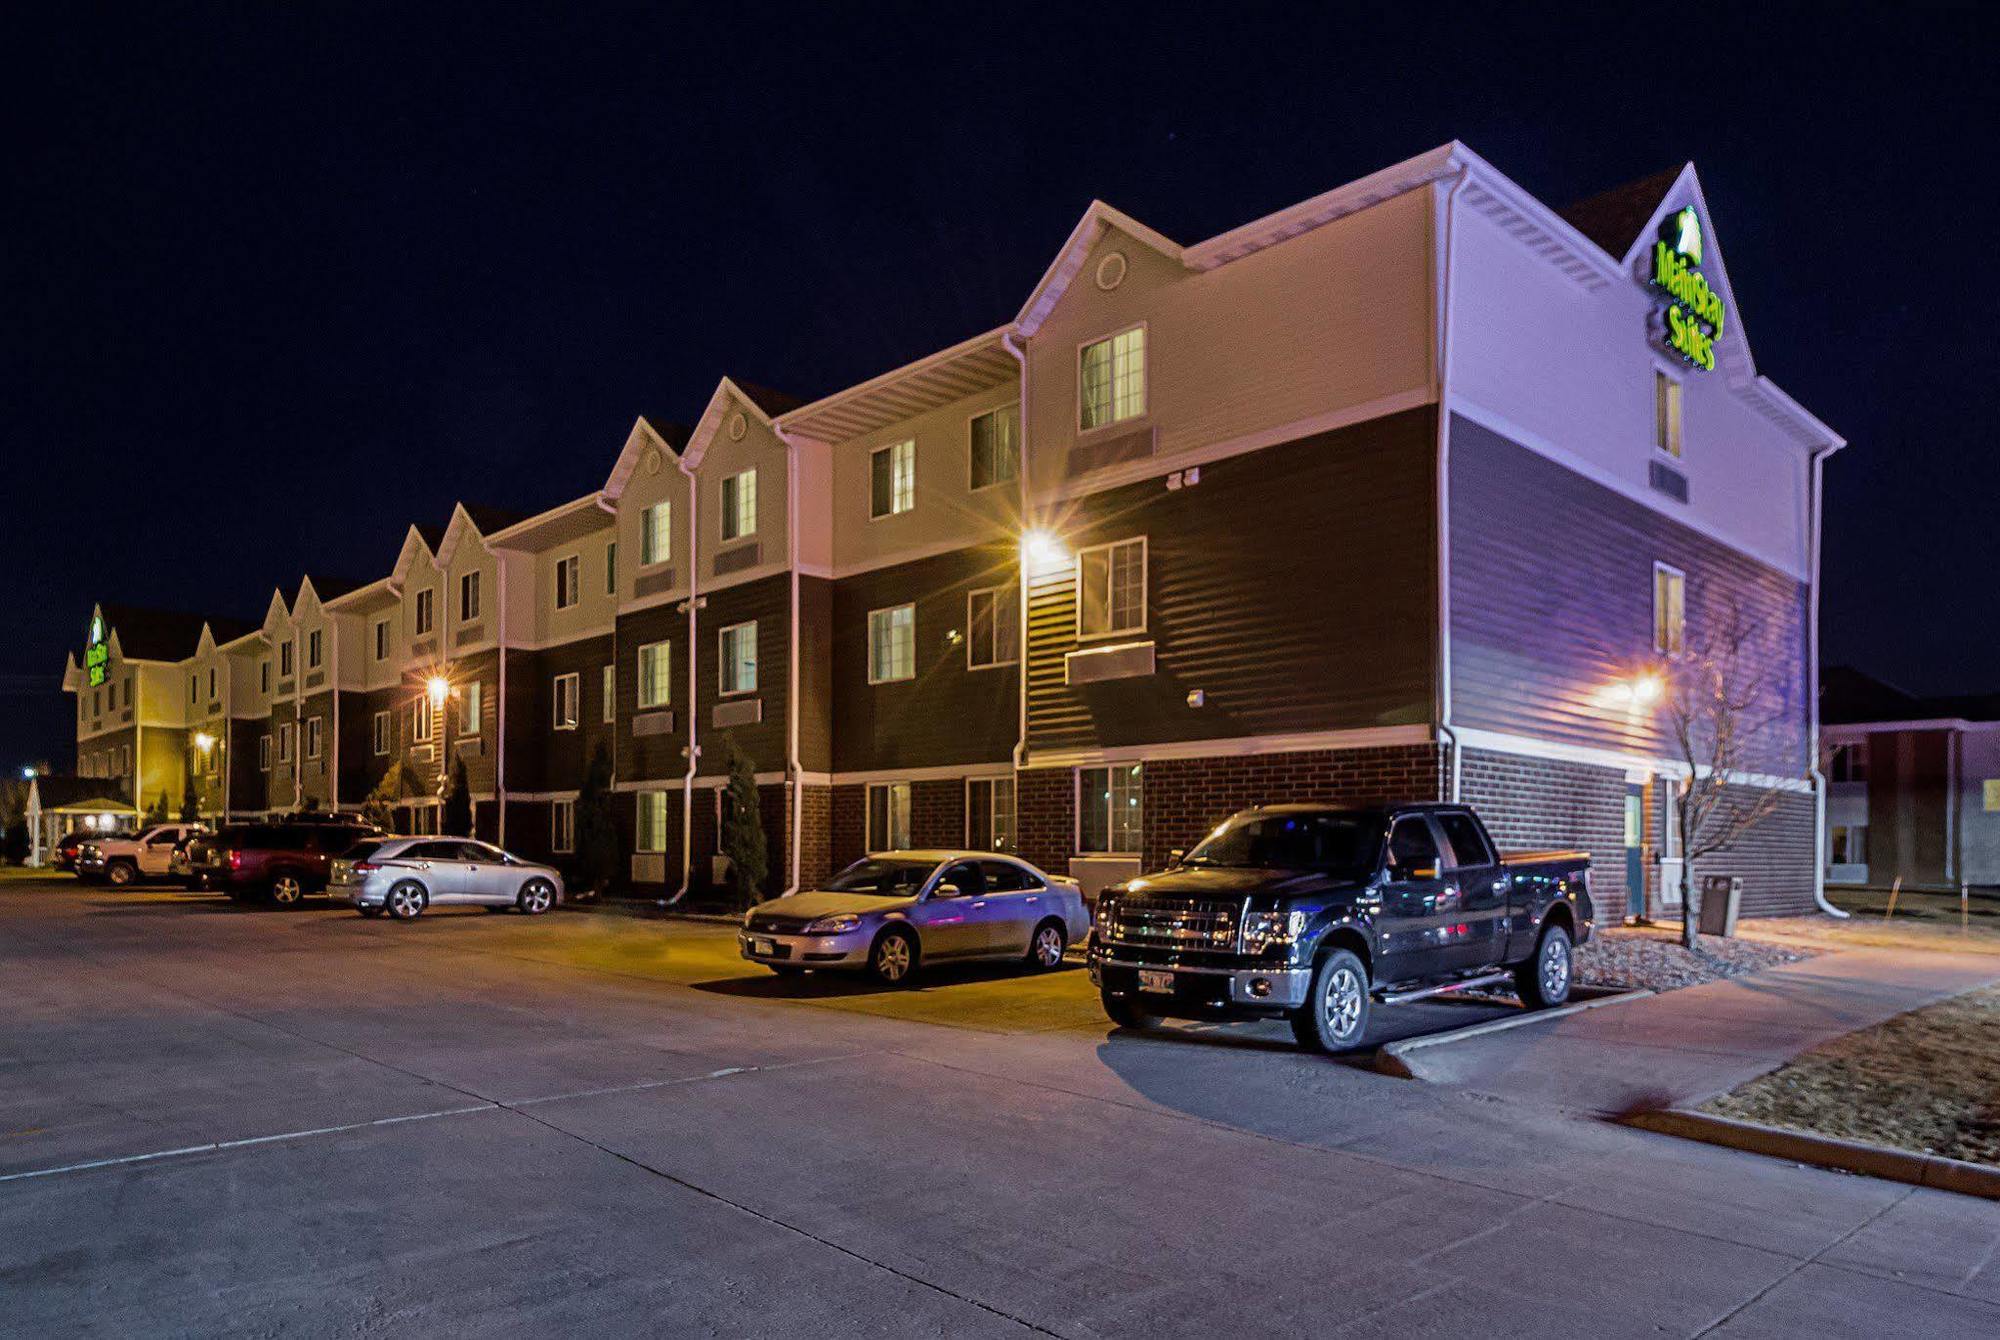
(97, 652)
(1693, 319)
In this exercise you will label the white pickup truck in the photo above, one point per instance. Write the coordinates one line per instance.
(125, 858)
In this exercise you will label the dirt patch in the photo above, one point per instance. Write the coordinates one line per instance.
(1927, 1081)
(1652, 957)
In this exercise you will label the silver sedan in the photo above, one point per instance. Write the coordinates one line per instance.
(886, 914)
(403, 876)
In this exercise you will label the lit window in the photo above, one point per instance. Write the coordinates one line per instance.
(420, 719)
(892, 479)
(1111, 589)
(992, 627)
(1108, 809)
(739, 505)
(567, 572)
(1113, 376)
(989, 813)
(1669, 609)
(1666, 413)
(471, 707)
(562, 825)
(610, 692)
(381, 733)
(996, 446)
(739, 658)
(565, 696)
(892, 644)
(468, 597)
(652, 834)
(426, 611)
(655, 678)
(656, 533)
(888, 816)
(1849, 844)
(263, 753)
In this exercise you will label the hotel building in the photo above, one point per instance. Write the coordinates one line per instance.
(1405, 492)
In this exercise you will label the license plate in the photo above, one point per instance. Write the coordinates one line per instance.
(763, 946)
(1155, 981)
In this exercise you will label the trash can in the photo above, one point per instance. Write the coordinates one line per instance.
(1721, 896)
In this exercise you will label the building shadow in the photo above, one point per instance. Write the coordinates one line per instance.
(824, 984)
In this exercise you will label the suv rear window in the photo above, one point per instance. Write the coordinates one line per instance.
(364, 849)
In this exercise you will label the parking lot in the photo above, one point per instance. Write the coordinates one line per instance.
(218, 1118)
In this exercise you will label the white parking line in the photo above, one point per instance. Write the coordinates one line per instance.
(490, 1106)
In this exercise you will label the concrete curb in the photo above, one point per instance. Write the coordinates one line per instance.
(1389, 1060)
(1824, 1151)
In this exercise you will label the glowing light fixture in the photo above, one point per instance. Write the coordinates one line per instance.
(439, 688)
(204, 741)
(1043, 552)
(1646, 690)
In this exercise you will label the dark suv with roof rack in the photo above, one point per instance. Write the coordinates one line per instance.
(279, 862)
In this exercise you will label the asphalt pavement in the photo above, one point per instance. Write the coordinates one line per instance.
(219, 1120)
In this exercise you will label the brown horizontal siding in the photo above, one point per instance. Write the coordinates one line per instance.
(946, 715)
(1552, 604)
(1293, 586)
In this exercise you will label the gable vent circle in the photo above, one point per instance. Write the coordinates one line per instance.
(652, 461)
(738, 426)
(1111, 271)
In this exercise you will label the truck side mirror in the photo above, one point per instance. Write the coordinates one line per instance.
(1176, 856)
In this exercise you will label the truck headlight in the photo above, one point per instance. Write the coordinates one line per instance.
(1106, 916)
(834, 925)
(1263, 929)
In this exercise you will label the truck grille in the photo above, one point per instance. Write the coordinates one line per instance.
(1176, 923)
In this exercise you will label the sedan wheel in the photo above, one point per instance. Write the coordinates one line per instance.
(1045, 950)
(286, 890)
(405, 901)
(894, 958)
(537, 897)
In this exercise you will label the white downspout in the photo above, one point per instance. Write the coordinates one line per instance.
(1020, 356)
(694, 683)
(500, 708)
(333, 700)
(794, 770)
(1812, 693)
(1445, 731)
(228, 728)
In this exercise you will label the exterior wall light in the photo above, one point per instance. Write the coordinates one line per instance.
(1043, 552)
(439, 688)
(204, 741)
(1637, 693)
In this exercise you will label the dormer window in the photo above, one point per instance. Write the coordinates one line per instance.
(1112, 380)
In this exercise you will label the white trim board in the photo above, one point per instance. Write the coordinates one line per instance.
(1372, 737)
(1633, 765)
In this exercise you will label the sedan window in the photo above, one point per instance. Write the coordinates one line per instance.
(883, 878)
(966, 876)
(1006, 877)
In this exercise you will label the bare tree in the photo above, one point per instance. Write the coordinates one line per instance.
(1719, 703)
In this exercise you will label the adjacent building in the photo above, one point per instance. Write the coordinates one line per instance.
(1408, 491)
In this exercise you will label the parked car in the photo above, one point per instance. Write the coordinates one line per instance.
(279, 862)
(1309, 912)
(890, 913)
(124, 858)
(404, 875)
(70, 845)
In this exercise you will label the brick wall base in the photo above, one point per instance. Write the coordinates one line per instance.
(1538, 803)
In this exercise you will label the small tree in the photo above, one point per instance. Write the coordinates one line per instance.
(596, 860)
(190, 797)
(457, 818)
(1718, 704)
(158, 814)
(743, 827)
(396, 785)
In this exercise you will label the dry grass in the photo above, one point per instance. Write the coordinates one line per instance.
(1927, 1081)
(1921, 921)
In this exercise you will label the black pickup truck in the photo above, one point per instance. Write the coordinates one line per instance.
(1307, 912)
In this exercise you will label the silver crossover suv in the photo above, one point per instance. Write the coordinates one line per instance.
(405, 875)
(889, 912)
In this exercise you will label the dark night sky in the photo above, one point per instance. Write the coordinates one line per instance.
(281, 279)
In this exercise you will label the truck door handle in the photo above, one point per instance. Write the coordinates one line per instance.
(1033, 899)
(1499, 884)
(980, 903)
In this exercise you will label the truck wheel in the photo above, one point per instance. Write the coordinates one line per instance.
(285, 890)
(121, 873)
(1335, 1015)
(1125, 1012)
(1544, 980)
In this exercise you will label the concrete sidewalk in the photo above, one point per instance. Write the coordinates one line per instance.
(1684, 1047)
